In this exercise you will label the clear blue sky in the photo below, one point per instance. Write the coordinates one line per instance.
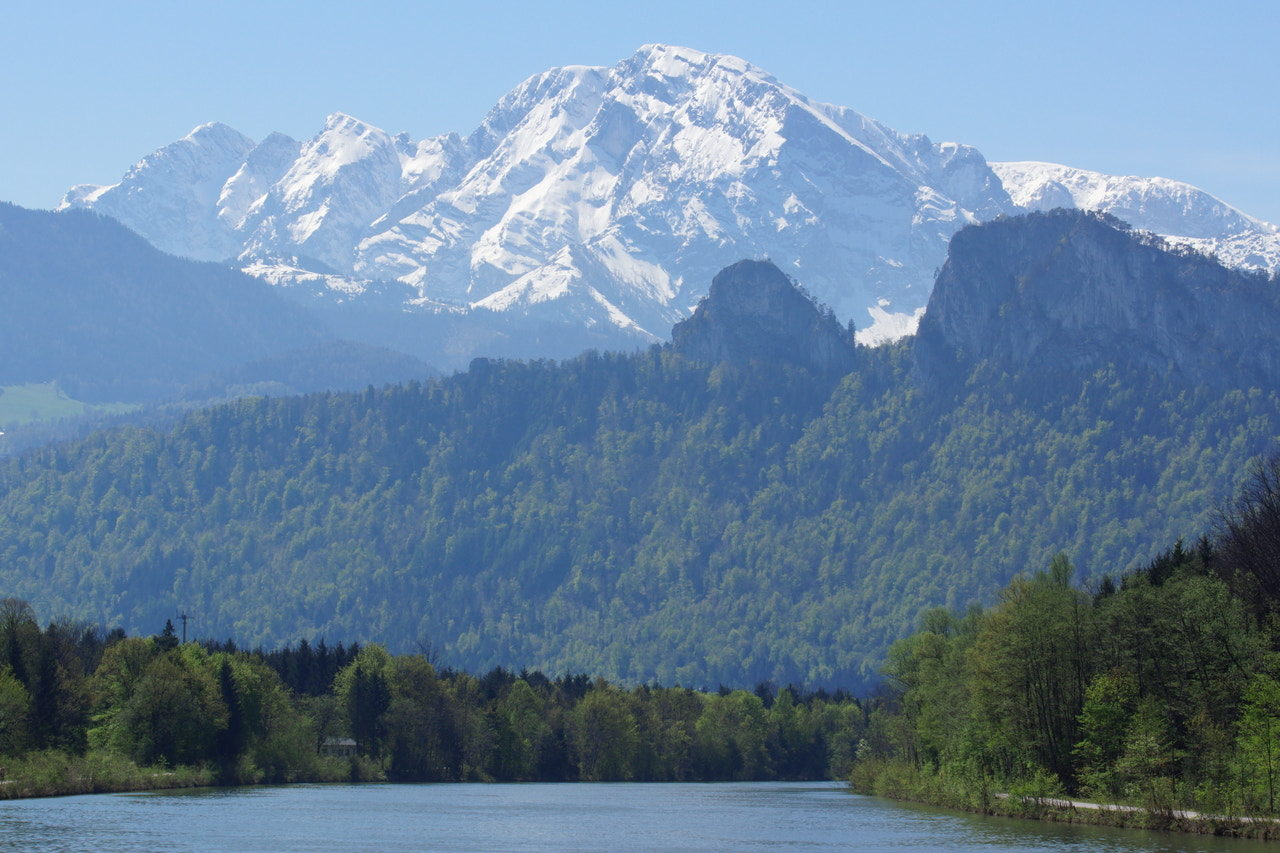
(1189, 91)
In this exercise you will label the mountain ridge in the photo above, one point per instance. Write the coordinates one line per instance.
(604, 199)
(691, 517)
(1068, 291)
(94, 307)
(753, 312)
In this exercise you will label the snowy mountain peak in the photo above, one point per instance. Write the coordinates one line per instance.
(171, 196)
(215, 134)
(246, 190)
(671, 62)
(610, 197)
(344, 142)
(1180, 212)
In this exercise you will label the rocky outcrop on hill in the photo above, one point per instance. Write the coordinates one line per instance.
(753, 311)
(1067, 291)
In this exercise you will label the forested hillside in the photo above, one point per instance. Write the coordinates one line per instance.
(1158, 688)
(644, 517)
(92, 307)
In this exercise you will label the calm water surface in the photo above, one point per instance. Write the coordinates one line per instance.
(543, 817)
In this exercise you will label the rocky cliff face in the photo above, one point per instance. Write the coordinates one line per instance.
(1069, 291)
(753, 312)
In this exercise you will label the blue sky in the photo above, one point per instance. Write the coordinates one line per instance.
(1189, 91)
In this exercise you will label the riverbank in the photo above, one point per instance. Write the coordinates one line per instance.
(58, 774)
(1041, 800)
(55, 773)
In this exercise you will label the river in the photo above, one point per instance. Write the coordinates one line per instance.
(697, 818)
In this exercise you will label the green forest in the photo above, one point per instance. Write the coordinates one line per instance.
(759, 501)
(1159, 688)
(643, 517)
(84, 710)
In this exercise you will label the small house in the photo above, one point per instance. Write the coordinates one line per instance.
(338, 747)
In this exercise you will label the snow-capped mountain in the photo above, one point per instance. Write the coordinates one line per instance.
(172, 197)
(607, 198)
(1179, 212)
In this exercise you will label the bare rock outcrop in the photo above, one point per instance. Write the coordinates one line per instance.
(754, 312)
(1068, 291)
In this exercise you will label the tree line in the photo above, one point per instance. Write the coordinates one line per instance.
(74, 696)
(1160, 688)
(641, 517)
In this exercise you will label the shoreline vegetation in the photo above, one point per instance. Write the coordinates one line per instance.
(905, 783)
(83, 710)
(55, 773)
(60, 774)
(1151, 700)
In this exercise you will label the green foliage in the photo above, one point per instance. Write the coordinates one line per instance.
(57, 772)
(1259, 741)
(1149, 765)
(424, 729)
(604, 735)
(169, 711)
(1030, 660)
(364, 690)
(153, 714)
(637, 516)
(1160, 692)
(1105, 719)
(15, 705)
(730, 737)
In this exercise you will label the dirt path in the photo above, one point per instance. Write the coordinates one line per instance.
(1185, 814)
